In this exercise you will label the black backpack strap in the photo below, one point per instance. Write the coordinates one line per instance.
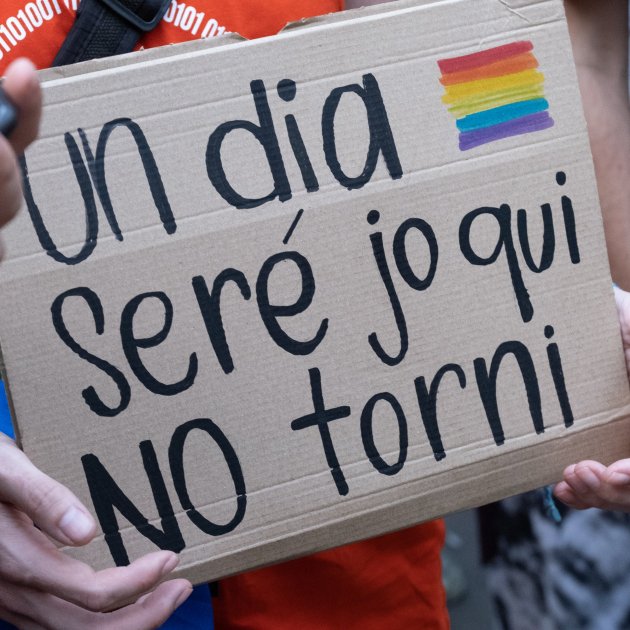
(109, 27)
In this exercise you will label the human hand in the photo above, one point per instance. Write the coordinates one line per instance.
(22, 87)
(591, 484)
(40, 587)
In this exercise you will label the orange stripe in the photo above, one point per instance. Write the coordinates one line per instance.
(526, 61)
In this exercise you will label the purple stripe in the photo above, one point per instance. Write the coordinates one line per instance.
(525, 124)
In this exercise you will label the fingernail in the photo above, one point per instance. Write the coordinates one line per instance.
(589, 478)
(183, 596)
(75, 524)
(170, 564)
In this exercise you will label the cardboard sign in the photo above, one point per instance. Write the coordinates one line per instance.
(270, 297)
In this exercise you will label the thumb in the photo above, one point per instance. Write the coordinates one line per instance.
(22, 87)
(50, 505)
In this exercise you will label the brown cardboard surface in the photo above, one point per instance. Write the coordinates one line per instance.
(363, 286)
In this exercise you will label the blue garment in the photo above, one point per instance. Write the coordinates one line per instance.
(194, 614)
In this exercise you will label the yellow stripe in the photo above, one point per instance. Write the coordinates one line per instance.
(495, 99)
(476, 89)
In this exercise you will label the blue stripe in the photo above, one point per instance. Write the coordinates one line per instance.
(502, 114)
(5, 415)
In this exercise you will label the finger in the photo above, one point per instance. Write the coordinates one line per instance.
(565, 494)
(115, 587)
(29, 559)
(28, 562)
(153, 611)
(596, 486)
(51, 506)
(590, 474)
(42, 610)
(619, 472)
(614, 490)
(583, 487)
(22, 87)
(574, 482)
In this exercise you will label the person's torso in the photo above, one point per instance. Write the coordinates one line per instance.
(391, 582)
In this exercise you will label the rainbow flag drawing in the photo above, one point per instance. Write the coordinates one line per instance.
(495, 94)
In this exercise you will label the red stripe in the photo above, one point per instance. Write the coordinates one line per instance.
(476, 60)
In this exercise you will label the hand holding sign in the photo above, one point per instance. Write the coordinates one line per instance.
(591, 484)
(39, 585)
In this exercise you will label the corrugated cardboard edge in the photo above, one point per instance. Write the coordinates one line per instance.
(161, 52)
(468, 482)
(168, 50)
(351, 14)
(513, 6)
(141, 56)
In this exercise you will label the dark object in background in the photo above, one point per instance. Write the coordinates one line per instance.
(8, 114)
(546, 575)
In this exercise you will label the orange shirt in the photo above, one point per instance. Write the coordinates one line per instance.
(392, 582)
(37, 28)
